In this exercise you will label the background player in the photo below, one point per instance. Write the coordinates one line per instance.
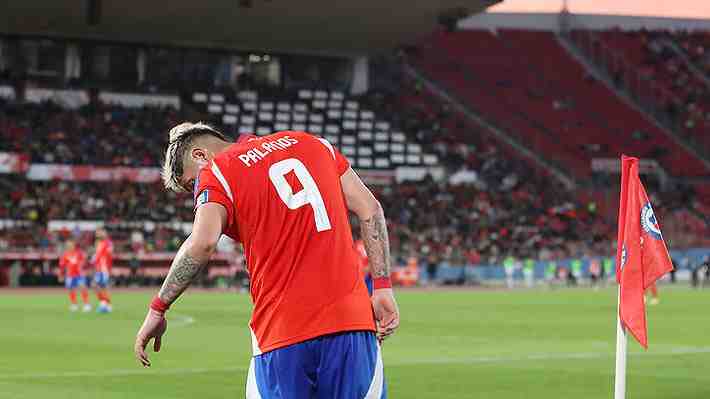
(285, 197)
(71, 266)
(103, 262)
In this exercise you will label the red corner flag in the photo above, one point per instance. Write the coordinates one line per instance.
(641, 256)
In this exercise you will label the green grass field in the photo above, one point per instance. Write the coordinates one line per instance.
(452, 344)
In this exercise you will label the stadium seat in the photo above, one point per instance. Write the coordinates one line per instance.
(364, 162)
(217, 98)
(231, 109)
(229, 119)
(382, 136)
(365, 136)
(366, 125)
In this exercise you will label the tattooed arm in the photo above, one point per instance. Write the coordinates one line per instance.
(377, 245)
(182, 272)
(194, 254)
(373, 228)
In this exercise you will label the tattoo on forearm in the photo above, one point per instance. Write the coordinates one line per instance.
(182, 272)
(377, 244)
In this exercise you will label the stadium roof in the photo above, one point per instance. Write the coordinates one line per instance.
(308, 26)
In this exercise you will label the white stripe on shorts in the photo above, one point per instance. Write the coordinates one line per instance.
(378, 379)
(252, 388)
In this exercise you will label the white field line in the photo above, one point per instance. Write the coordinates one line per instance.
(547, 356)
(178, 320)
(473, 360)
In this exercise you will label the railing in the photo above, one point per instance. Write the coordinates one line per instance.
(625, 76)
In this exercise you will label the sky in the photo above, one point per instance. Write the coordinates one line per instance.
(656, 8)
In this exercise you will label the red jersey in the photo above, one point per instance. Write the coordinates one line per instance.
(285, 203)
(103, 258)
(72, 262)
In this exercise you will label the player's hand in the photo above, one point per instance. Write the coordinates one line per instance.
(153, 327)
(386, 312)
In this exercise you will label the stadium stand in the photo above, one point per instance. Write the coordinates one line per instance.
(687, 96)
(93, 135)
(366, 139)
(487, 203)
(659, 74)
(508, 77)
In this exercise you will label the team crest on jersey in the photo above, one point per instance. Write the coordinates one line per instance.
(203, 198)
(649, 222)
(623, 256)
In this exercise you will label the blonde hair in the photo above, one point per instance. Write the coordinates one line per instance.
(180, 138)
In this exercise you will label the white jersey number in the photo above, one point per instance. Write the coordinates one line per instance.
(310, 195)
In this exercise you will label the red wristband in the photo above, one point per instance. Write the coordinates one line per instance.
(381, 282)
(158, 305)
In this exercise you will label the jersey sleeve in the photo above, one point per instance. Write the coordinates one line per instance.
(341, 163)
(209, 188)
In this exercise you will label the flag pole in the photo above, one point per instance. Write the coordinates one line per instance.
(620, 381)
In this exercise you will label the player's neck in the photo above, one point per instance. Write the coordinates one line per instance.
(221, 146)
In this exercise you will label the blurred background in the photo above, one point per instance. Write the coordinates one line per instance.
(491, 137)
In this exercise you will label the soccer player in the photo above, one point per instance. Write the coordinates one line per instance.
(71, 269)
(509, 265)
(596, 272)
(285, 196)
(103, 262)
(529, 272)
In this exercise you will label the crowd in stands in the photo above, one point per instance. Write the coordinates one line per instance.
(40, 201)
(94, 135)
(678, 66)
(693, 94)
(487, 207)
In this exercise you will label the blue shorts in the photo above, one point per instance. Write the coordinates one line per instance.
(340, 366)
(368, 283)
(101, 279)
(75, 282)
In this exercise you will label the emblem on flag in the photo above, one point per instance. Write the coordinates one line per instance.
(649, 222)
